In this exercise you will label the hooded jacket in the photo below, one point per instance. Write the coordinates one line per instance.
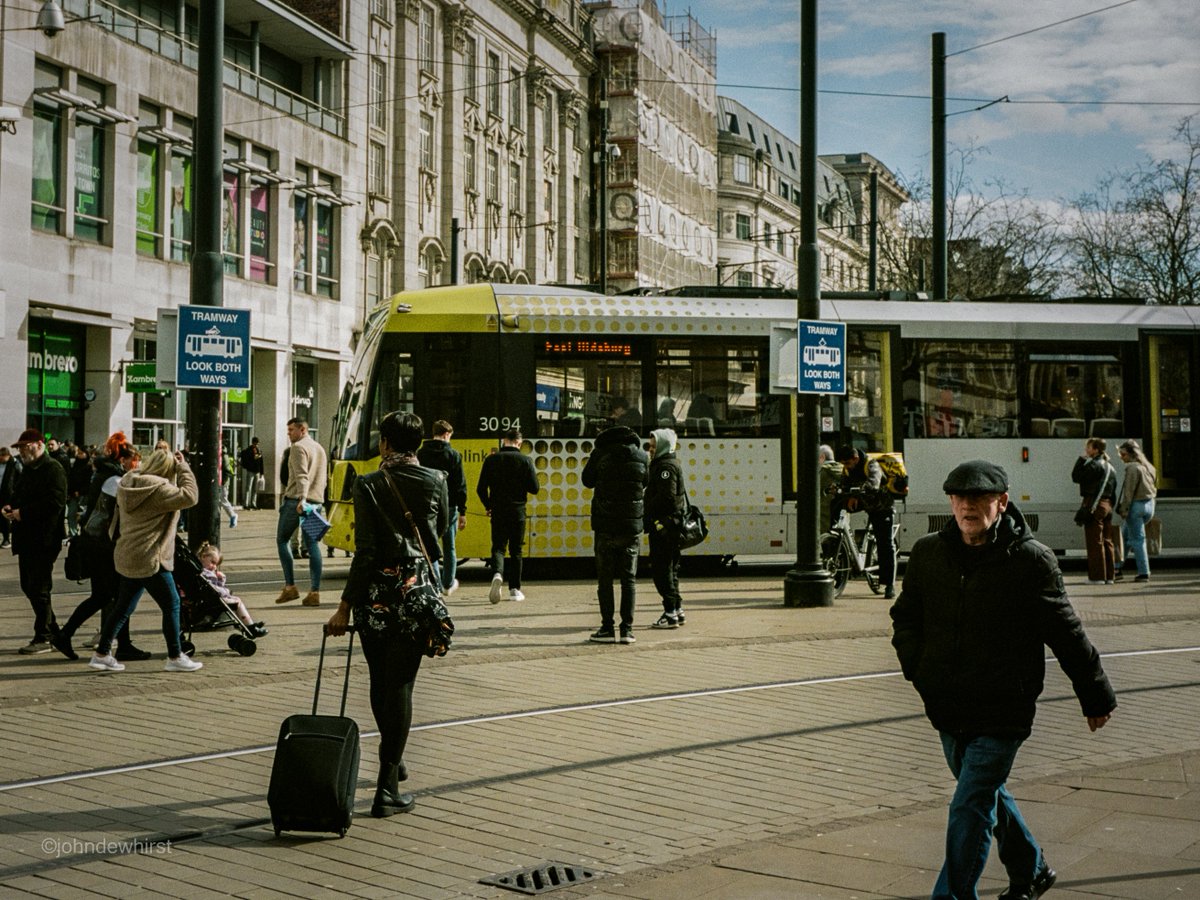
(665, 498)
(147, 512)
(970, 625)
(617, 472)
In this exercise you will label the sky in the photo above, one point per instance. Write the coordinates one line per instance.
(1131, 55)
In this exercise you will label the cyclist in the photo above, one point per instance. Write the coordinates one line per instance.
(862, 488)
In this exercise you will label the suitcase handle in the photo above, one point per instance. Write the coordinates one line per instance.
(321, 666)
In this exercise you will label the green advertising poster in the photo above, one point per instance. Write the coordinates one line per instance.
(147, 198)
(55, 368)
(141, 378)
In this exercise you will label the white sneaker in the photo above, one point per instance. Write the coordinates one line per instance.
(496, 593)
(106, 664)
(182, 664)
(453, 587)
(515, 594)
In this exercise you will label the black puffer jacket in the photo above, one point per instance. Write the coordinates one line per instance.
(385, 538)
(616, 472)
(970, 625)
(664, 491)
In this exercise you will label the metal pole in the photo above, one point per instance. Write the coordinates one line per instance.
(938, 185)
(208, 275)
(808, 584)
(454, 250)
(873, 246)
(602, 212)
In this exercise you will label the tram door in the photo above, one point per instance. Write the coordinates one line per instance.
(1173, 438)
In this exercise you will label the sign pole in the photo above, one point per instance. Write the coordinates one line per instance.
(808, 584)
(208, 268)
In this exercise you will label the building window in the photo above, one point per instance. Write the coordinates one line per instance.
(262, 260)
(515, 98)
(49, 211)
(741, 168)
(743, 227)
(766, 233)
(493, 177)
(470, 65)
(470, 176)
(377, 94)
(381, 9)
(181, 192)
(548, 201)
(622, 254)
(377, 169)
(745, 279)
(427, 142)
(514, 186)
(426, 38)
(90, 174)
(550, 122)
(785, 189)
(231, 231)
(147, 218)
(493, 84)
(316, 235)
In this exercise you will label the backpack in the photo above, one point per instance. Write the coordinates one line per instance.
(895, 476)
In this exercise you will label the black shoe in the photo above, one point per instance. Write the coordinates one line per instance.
(605, 635)
(62, 643)
(257, 629)
(1118, 576)
(1140, 578)
(1042, 882)
(132, 654)
(388, 799)
(627, 636)
(680, 617)
(889, 594)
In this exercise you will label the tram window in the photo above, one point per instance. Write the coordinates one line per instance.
(960, 389)
(706, 390)
(393, 392)
(444, 373)
(867, 397)
(576, 397)
(1074, 390)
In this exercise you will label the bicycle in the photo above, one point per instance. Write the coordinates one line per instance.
(846, 555)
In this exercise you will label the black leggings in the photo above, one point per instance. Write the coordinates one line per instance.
(393, 664)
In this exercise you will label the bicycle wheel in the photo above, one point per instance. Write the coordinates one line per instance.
(871, 567)
(836, 561)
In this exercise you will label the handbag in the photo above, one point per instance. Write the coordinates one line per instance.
(692, 527)
(1085, 513)
(406, 600)
(1154, 536)
(313, 523)
(78, 564)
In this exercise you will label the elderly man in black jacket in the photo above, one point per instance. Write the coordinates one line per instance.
(617, 472)
(980, 599)
(36, 513)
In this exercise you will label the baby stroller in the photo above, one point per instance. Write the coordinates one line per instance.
(201, 607)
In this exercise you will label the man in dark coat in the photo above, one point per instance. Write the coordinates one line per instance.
(437, 453)
(36, 513)
(616, 472)
(253, 464)
(505, 479)
(980, 600)
(10, 474)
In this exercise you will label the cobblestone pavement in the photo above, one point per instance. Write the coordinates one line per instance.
(758, 751)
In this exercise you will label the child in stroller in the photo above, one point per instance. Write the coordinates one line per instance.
(203, 603)
(210, 557)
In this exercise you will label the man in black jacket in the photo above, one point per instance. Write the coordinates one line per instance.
(980, 599)
(36, 513)
(666, 503)
(617, 472)
(437, 453)
(10, 474)
(505, 479)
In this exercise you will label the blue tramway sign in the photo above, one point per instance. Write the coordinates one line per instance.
(214, 348)
(822, 357)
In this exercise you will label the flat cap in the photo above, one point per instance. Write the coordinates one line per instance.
(976, 476)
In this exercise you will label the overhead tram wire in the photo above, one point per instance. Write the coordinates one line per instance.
(1041, 27)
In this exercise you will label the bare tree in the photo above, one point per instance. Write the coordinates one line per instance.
(1138, 233)
(999, 242)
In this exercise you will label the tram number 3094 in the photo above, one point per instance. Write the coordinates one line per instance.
(498, 423)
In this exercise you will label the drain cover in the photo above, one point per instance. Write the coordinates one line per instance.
(541, 877)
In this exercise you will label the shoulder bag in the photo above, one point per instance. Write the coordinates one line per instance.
(404, 600)
(692, 527)
(1085, 513)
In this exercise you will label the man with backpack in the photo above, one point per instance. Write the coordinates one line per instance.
(863, 488)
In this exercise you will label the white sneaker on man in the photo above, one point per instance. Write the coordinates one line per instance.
(182, 664)
(496, 593)
(515, 594)
(453, 587)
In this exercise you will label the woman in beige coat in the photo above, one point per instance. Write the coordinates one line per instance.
(148, 503)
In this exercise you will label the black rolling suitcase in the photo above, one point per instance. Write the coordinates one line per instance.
(315, 772)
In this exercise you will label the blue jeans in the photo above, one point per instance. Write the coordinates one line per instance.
(289, 521)
(982, 806)
(1140, 512)
(161, 586)
(447, 566)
